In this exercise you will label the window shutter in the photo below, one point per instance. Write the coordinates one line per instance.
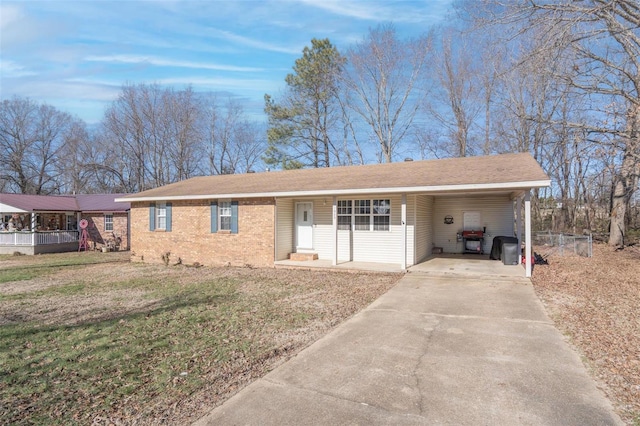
(152, 217)
(234, 217)
(168, 228)
(214, 217)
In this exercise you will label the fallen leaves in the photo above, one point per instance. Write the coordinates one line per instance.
(596, 302)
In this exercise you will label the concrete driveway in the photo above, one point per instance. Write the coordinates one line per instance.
(441, 349)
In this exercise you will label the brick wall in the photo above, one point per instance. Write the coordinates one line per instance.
(191, 240)
(98, 236)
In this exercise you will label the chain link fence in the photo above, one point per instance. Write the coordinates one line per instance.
(562, 244)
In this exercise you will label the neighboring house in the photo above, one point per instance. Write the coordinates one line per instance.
(386, 213)
(34, 224)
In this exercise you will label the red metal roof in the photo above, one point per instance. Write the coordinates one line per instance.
(40, 202)
(89, 203)
(101, 203)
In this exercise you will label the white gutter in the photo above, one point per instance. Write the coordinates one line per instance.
(329, 192)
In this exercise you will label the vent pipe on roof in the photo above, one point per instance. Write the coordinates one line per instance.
(408, 159)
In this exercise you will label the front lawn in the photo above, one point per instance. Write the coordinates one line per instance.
(83, 341)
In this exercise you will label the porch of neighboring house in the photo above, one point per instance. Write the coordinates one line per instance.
(38, 232)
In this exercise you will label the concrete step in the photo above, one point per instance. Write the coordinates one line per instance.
(301, 257)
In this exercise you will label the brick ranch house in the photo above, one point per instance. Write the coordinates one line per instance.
(35, 224)
(386, 213)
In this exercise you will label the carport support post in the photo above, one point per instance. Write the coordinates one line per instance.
(403, 220)
(519, 226)
(527, 233)
(334, 223)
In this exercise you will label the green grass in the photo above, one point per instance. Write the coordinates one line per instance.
(54, 370)
(37, 266)
(70, 374)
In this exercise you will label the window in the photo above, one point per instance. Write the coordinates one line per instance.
(224, 216)
(71, 223)
(161, 216)
(366, 215)
(362, 213)
(108, 222)
(381, 215)
(224, 210)
(345, 210)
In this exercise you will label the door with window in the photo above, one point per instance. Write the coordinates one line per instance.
(304, 226)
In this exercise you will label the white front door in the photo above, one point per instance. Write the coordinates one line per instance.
(304, 226)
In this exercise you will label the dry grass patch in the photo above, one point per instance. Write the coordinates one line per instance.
(127, 343)
(596, 302)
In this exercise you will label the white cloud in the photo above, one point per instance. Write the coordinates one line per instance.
(237, 84)
(403, 11)
(8, 15)
(141, 59)
(259, 44)
(10, 69)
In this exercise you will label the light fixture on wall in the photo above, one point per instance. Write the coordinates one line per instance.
(324, 201)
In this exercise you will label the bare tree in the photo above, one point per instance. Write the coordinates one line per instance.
(234, 144)
(156, 132)
(182, 118)
(75, 174)
(31, 139)
(382, 80)
(602, 38)
(460, 89)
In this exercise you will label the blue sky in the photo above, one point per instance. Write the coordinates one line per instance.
(76, 55)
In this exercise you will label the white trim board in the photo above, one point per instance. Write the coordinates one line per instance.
(510, 186)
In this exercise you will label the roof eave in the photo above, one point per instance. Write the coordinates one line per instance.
(510, 186)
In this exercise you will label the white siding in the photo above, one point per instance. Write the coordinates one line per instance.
(323, 228)
(424, 227)
(284, 228)
(496, 215)
(363, 246)
(411, 227)
(381, 246)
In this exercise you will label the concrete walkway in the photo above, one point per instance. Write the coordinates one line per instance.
(435, 349)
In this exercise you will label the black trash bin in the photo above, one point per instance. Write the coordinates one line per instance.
(497, 246)
(510, 252)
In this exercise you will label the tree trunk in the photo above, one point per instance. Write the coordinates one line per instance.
(623, 189)
(627, 180)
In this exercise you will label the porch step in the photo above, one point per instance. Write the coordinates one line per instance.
(301, 257)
